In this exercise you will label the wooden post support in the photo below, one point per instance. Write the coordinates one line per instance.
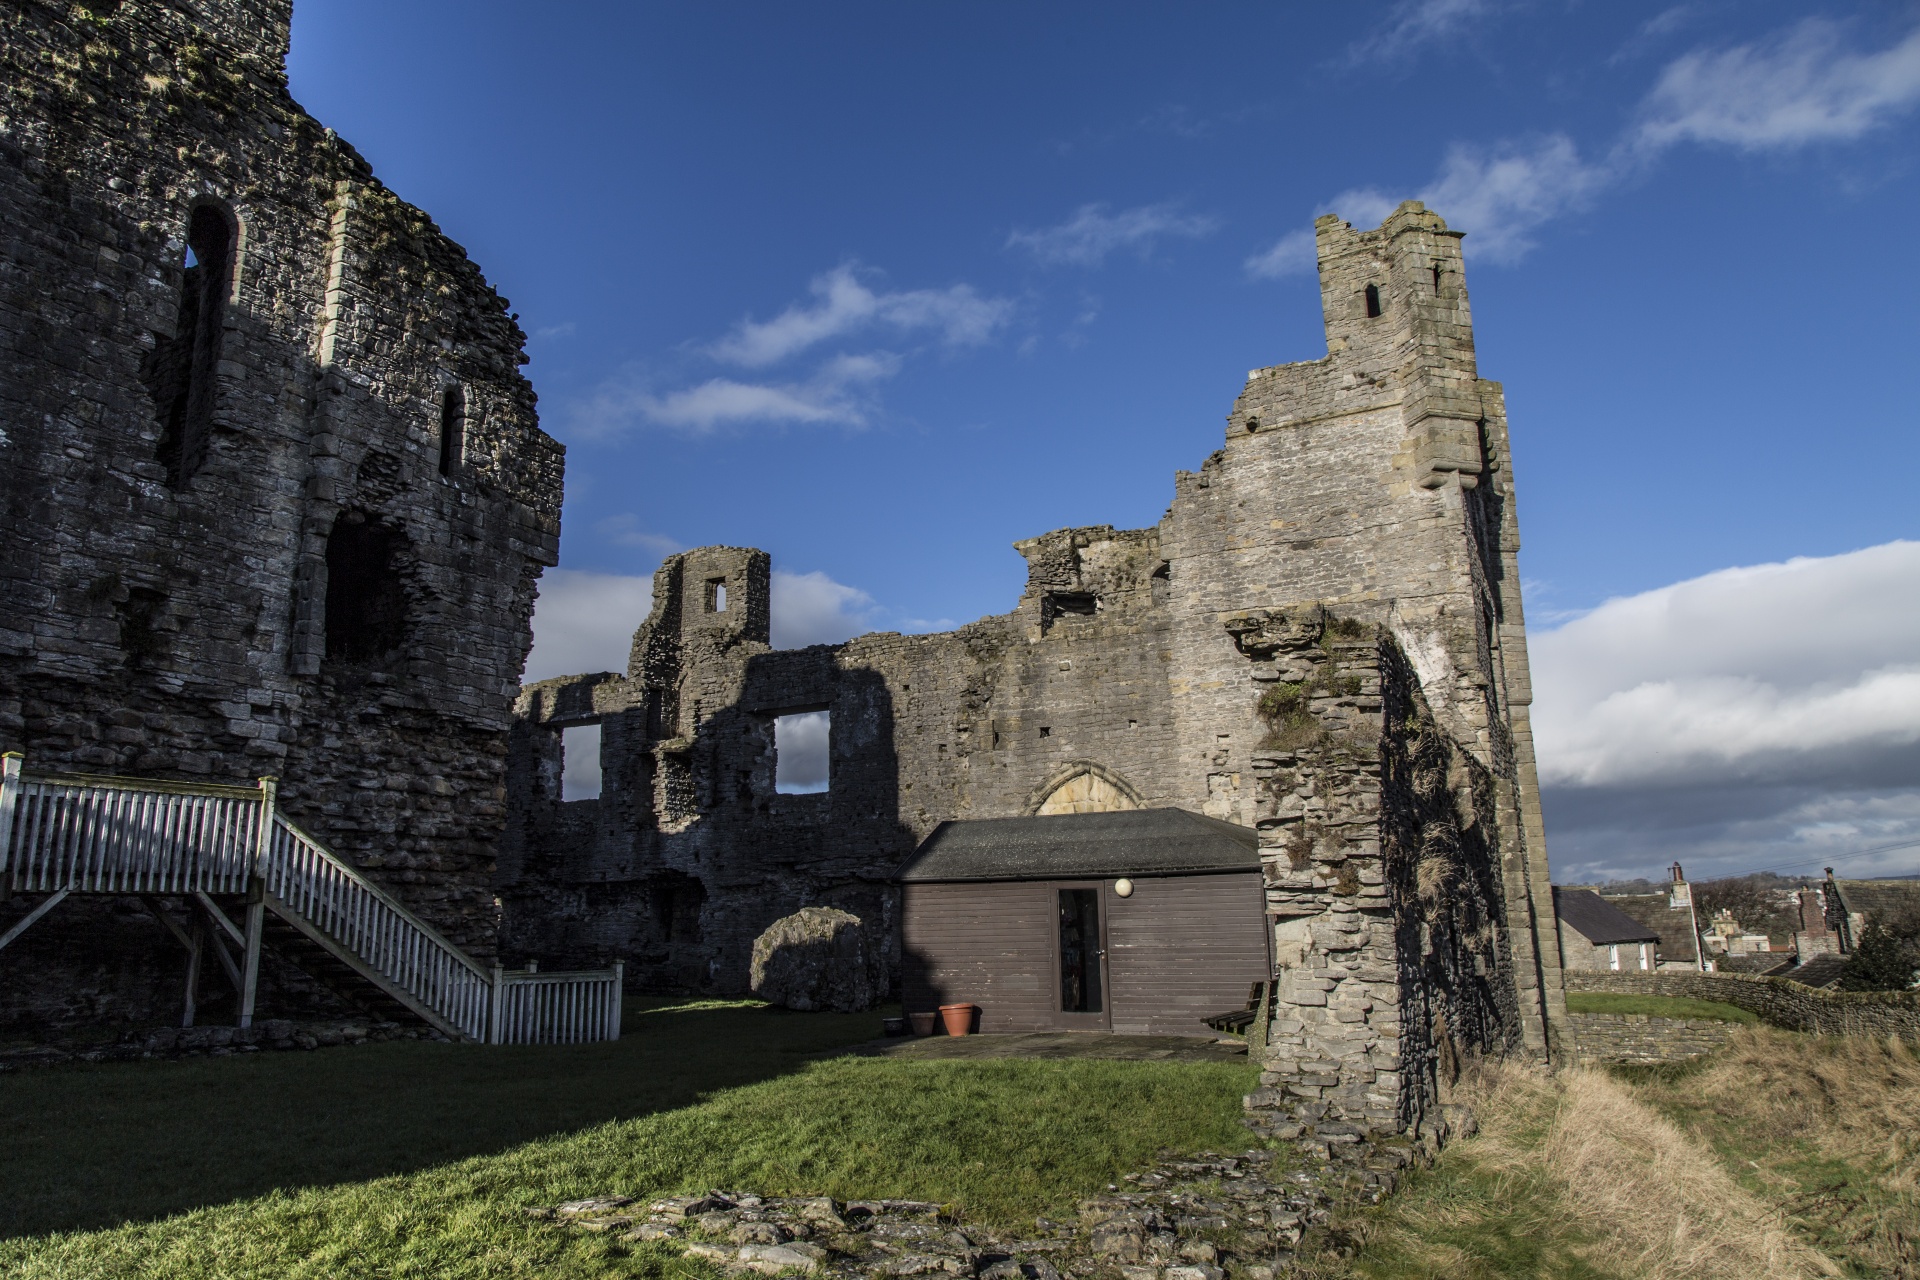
(10, 765)
(250, 967)
(496, 1005)
(21, 925)
(619, 996)
(257, 901)
(194, 947)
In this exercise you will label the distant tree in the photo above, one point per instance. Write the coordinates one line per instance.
(1756, 902)
(1881, 961)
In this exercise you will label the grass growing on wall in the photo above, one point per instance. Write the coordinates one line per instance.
(692, 1098)
(1658, 1006)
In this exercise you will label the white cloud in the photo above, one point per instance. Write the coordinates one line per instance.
(1797, 87)
(1751, 717)
(1292, 254)
(625, 531)
(1086, 239)
(584, 622)
(843, 305)
(1498, 195)
(1416, 24)
(580, 762)
(835, 394)
(1501, 195)
(811, 608)
(553, 332)
(800, 757)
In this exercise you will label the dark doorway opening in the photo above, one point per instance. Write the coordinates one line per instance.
(1080, 952)
(366, 594)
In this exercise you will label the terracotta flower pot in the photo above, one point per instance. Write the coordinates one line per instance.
(922, 1023)
(958, 1017)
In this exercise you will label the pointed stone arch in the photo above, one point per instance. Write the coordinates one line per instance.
(1084, 787)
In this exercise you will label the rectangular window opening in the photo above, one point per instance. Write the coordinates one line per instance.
(800, 752)
(716, 595)
(580, 762)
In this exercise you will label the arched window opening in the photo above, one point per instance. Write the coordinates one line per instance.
(453, 428)
(182, 368)
(366, 594)
(1373, 301)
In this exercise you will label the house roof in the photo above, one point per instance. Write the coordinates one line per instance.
(1593, 918)
(1819, 971)
(1880, 897)
(1765, 963)
(1138, 842)
(1673, 925)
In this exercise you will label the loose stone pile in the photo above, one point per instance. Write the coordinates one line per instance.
(215, 1042)
(1207, 1218)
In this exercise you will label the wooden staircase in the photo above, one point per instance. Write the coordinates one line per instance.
(229, 852)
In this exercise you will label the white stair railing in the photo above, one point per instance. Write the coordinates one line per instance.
(556, 1008)
(79, 833)
(364, 920)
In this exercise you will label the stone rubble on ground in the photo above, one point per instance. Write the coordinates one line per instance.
(216, 1041)
(1211, 1217)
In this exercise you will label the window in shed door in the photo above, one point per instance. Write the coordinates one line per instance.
(1080, 951)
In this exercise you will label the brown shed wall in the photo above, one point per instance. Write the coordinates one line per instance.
(1180, 948)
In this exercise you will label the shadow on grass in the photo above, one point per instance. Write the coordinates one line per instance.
(92, 1146)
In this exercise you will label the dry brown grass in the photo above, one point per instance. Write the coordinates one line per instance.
(1848, 1096)
(1574, 1176)
(1829, 1126)
(1656, 1201)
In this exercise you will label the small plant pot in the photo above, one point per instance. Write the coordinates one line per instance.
(922, 1023)
(893, 1026)
(958, 1018)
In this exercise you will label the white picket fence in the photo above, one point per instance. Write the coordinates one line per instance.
(78, 833)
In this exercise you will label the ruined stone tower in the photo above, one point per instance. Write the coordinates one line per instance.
(273, 496)
(1321, 639)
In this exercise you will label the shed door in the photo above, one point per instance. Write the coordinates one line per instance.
(1080, 958)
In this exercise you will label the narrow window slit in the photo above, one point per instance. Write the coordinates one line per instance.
(1373, 301)
(453, 428)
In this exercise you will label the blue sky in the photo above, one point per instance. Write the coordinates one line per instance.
(882, 288)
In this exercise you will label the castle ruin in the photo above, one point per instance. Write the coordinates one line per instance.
(275, 501)
(1322, 639)
(273, 495)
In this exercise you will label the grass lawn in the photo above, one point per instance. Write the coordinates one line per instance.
(1658, 1006)
(410, 1159)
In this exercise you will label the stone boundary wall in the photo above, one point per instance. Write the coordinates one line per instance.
(1780, 1001)
(1639, 1037)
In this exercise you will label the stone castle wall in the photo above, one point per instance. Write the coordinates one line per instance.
(1780, 1001)
(1638, 1039)
(1322, 638)
(231, 540)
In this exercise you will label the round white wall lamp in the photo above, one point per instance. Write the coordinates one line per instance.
(1123, 887)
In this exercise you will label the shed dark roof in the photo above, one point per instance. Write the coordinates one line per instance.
(1818, 971)
(1593, 918)
(1673, 925)
(1139, 842)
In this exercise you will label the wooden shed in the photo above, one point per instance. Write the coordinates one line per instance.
(1144, 921)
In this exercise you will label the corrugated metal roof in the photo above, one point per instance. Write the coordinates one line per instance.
(1139, 842)
(1594, 919)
